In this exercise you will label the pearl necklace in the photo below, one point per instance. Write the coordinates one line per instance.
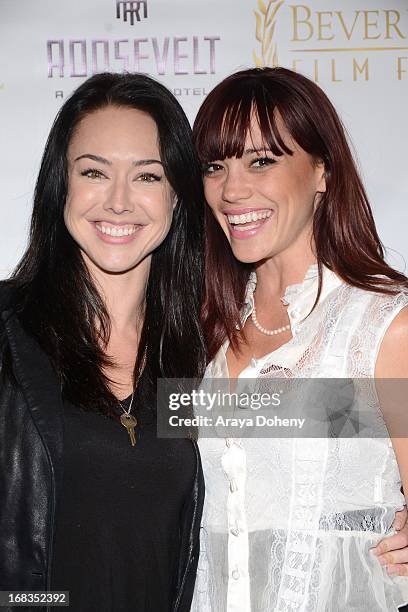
(267, 332)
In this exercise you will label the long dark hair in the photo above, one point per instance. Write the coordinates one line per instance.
(56, 298)
(344, 232)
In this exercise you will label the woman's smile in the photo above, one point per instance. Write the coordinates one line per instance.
(114, 233)
(247, 222)
(265, 202)
(118, 193)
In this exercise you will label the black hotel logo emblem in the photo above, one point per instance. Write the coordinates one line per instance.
(131, 10)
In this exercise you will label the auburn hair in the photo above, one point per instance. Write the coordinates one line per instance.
(344, 232)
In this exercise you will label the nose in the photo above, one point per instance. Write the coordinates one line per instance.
(235, 187)
(119, 198)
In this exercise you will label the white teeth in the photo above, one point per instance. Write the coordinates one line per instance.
(126, 230)
(248, 217)
(247, 227)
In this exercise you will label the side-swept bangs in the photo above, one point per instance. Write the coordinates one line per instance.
(224, 120)
(345, 238)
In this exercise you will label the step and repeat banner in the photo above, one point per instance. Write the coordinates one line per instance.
(356, 50)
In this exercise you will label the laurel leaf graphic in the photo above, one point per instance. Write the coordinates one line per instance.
(258, 27)
(265, 31)
(269, 59)
(257, 61)
(262, 7)
(273, 12)
(269, 36)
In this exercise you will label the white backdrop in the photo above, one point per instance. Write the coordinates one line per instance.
(357, 50)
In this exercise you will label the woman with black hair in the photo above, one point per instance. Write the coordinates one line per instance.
(103, 303)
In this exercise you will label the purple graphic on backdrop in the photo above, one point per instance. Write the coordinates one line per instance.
(132, 10)
(178, 55)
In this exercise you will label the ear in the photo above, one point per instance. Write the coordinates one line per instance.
(320, 183)
(321, 177)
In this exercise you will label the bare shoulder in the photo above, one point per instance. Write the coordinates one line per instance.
(392, 361)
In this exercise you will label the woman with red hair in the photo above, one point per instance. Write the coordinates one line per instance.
(297, 287)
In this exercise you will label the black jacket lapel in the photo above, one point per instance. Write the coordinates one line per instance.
(40, 387)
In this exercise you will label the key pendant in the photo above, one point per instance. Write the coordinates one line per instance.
(129, 421)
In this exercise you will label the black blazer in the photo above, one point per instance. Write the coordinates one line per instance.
(31, 447)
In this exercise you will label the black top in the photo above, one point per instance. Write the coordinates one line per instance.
(117, 537)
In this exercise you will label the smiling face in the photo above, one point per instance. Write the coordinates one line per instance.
(264, 202)
(119, 205)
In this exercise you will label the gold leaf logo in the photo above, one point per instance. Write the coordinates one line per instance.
(266, 16)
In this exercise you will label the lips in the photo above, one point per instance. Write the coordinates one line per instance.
(245, 218)
(121, 230)
(116, 233)
(246, 223)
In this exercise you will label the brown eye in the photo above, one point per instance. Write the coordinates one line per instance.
(209, 169)
(149, 177)
(92, 173)
(263, 162)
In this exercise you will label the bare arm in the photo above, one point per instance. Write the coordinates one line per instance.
(392, 362)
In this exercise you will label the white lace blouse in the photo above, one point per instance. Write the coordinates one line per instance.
(288, 523)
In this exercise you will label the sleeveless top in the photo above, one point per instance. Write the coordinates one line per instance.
(288, 523)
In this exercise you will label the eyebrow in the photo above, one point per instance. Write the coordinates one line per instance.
(260, 150)
(103, 160)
